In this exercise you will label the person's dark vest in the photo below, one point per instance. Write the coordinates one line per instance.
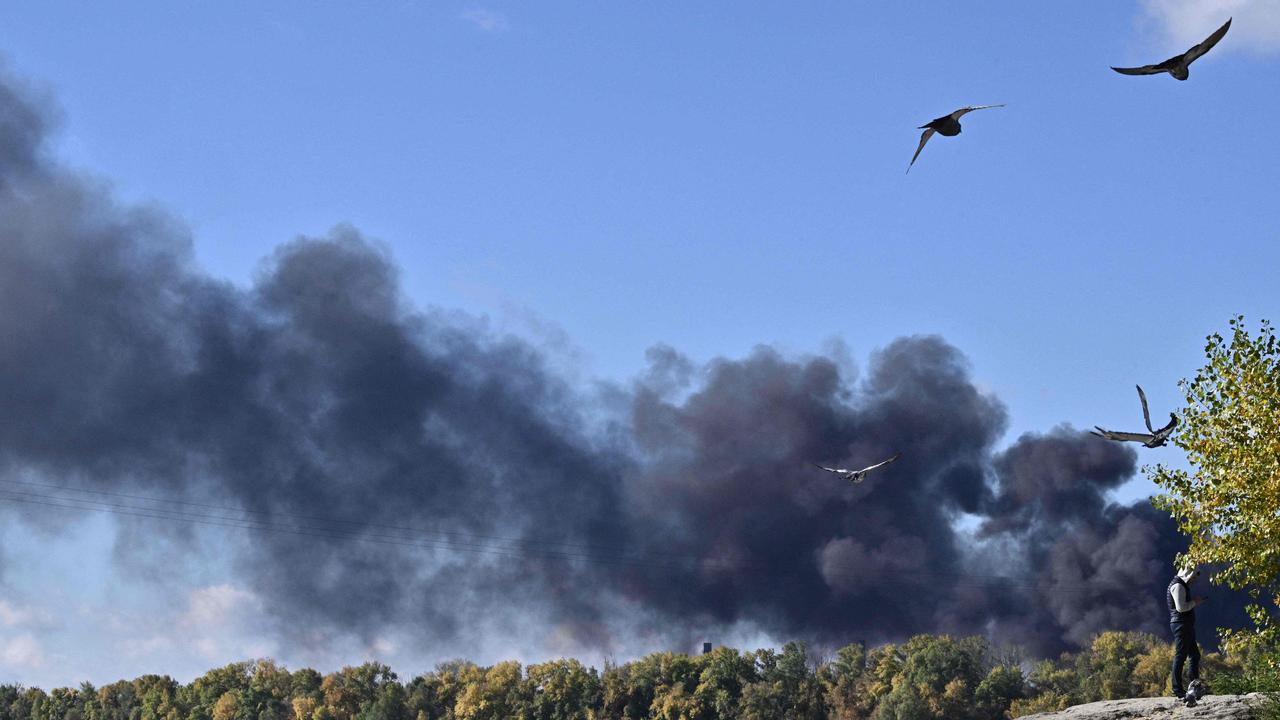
(1175, 616)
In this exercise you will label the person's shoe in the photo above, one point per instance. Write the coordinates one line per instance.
(1190, 699)
(1198, 689)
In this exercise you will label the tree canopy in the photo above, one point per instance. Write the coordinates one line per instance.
(927, 677)
(1229, 502)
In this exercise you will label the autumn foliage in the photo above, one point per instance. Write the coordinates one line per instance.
(928, 677)
(1229, 502)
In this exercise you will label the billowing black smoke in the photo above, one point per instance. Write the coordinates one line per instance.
(398, 468)
(1094, 565)
(725, 476)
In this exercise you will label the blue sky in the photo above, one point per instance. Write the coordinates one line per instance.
(711, 176)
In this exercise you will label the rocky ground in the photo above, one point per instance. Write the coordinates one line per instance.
(1214, 707)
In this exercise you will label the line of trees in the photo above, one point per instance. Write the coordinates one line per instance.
(926, 677)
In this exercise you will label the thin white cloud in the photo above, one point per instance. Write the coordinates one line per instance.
(485, 19)
(10, 615)
(218, 624)
(380, 647)
(1255, 24)
(17, 615)
(23, 651)
(216, 606)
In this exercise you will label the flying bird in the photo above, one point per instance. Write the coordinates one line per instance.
(1155, 438)
(948, 125)
(1177, 65)
(856, 476)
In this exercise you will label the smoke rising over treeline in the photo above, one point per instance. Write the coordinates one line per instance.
(319, 399)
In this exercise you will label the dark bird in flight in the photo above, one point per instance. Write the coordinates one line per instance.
(948, 125)
(1177, 65)
(856, 476)
(1155, 438)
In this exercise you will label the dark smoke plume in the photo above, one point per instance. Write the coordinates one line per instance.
(411, 469)
(1096, 565)
(727, 475)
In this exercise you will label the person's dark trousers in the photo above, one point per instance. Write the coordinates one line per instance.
(1184, 649)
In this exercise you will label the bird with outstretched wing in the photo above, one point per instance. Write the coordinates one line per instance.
(948, 125)
(1152, 439)
(1177, 65)
(857, 476)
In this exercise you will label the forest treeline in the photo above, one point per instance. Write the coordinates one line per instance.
(926, 677)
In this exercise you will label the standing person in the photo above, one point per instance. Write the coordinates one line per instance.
(1182, 621)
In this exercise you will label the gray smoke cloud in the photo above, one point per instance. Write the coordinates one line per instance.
(786, 546)
(1094, 565)
(404, 468)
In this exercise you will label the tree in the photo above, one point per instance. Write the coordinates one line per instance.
(848, 684)
(63, 703)
(424, 700)
(1106, 669)
(116, 701)
(627, 690)
(353, 689)
(227, 707)
(390, 703)
(1230, 503)
(494, 693)
(563, 690)
(157, 697)
(800, 689)
(1057, 678)
(205, 691)
(786, 689)
(436, 693)
(26, 703)
(1044, 702)
(631, 690)
(936, 678)
(759, 702)
(306, 683)
(1151, 676)
(724, 673)
(89, 701)
(677, 676)
(884, 664)
(997, 691)
(903, 703)
(270, 688)
(304, 708)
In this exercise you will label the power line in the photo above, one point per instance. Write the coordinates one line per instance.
(320, 532)
(277, 514)
(514, 549)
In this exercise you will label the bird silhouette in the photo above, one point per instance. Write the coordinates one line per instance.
(1177, 65)
(857, 476)
(1152, 439)
(948, 125)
